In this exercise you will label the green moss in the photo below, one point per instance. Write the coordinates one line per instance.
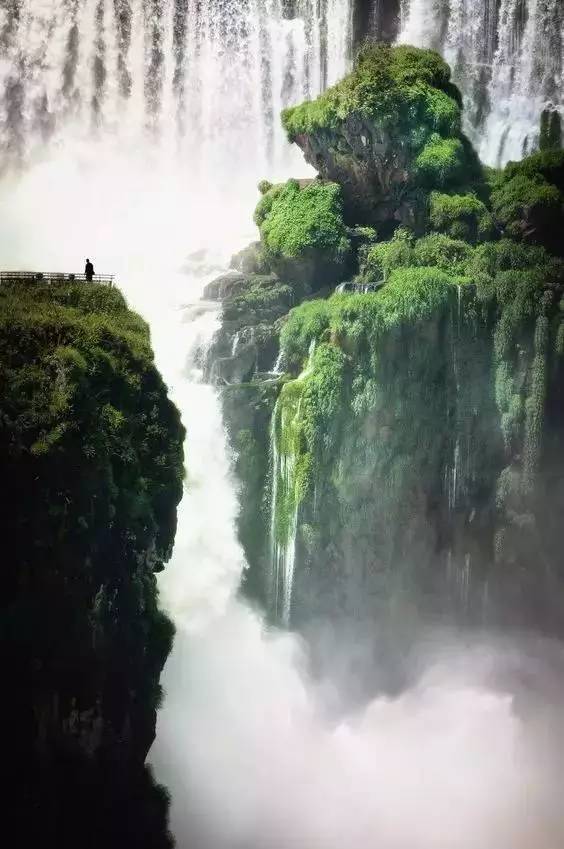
(293, 220)
(441, 163)
(91, 452)
(306, 323)
(88, 433)
(461, 216)
(383, 257)
(412, 294)
(390, 86)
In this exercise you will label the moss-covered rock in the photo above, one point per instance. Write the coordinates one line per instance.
(429, 449)
(247, 342)
(416, 428)
(247, 411)
(303, 235)
(463, 217)
(387, 133)
(91, 456)
(528, 200)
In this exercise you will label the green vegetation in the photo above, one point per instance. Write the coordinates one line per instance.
(461, 217)
(302, 231)
(396, 87)
(414, 424)
(441, 162)
(403, 250)
(92, 462)
(528, 199)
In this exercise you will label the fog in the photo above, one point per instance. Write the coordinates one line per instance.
(468, 756)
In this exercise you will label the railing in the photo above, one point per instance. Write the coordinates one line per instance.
(52, 278)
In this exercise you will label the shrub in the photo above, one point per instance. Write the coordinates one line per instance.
(389, 85)
(460, 216)
(385, 256)
(441, 163)
(451, 255)
(528, 200)
(303, 232)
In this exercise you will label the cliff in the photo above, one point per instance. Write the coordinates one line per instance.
(92, 464)
(408, 454)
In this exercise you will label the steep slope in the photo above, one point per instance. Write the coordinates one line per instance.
(415, 446)
(92, 464)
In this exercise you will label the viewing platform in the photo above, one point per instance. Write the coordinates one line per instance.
(53, 278)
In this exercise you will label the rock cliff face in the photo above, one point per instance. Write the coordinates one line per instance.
(407, 459)
(91, 456)
(385, 133)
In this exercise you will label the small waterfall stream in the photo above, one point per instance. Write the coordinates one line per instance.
(285, 492)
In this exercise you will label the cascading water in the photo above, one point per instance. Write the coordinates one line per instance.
(285, 495)
(203, 80)
(508, 59)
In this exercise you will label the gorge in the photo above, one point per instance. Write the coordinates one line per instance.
(366, 580)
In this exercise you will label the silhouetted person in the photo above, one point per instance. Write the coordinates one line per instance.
(89, 271)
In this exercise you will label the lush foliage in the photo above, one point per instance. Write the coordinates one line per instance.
(415, 423)
(461, 216)
(298, 224)
(528, 199)
(441, 162)
(403, 250)
(392, 86)
(91, 456)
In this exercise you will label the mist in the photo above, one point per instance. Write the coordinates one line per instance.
(467, 756)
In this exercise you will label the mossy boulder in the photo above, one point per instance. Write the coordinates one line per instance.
(303, 235)
(528, 200)
(388, 133)
(461, 216)
(247, 341)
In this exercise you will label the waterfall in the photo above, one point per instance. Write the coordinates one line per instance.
(508, 59)
(285, 445)
(183, 75)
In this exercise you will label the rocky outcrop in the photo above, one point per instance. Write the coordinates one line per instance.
(91, 454)
(415, 446)
(303, 235)
(386, 134)
(247, 344)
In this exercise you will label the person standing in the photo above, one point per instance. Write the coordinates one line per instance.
(89, 271)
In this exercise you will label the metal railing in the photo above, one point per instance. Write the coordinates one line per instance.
(53, 278)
